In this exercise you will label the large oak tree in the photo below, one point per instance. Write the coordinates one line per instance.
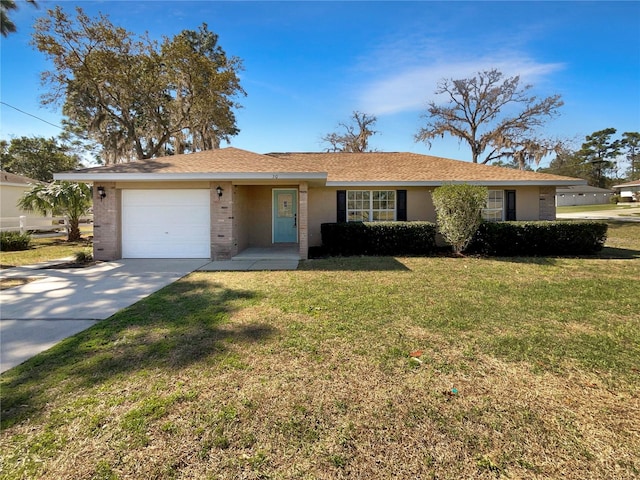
(496, 116)
(136, 97)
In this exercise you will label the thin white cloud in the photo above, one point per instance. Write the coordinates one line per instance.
(411, 88)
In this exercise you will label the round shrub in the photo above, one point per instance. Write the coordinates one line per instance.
(14, 241)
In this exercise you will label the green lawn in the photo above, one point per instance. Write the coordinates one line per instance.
(357, 368)
(47, 248)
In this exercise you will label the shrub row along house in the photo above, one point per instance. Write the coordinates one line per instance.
(216, 203)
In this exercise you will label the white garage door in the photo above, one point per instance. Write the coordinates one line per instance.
(166, 224)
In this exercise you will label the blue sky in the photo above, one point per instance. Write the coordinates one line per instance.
(309, 65)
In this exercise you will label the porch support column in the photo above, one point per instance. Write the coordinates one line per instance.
(223, 244)
(106, 228)
(303, 221)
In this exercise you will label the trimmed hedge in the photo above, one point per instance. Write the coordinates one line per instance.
(378, 238)
(14, 241)
(538, 238)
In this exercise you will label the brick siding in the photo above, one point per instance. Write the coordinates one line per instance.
(303, 220)
(223, 244)
(547, 203)
(106, 231)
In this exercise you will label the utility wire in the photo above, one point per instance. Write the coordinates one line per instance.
(31, 115)
(43, 120)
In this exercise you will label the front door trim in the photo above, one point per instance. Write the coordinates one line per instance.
(274, 212)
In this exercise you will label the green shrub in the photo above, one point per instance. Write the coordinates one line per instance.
(458, 212)
(614, 199)
(539, 238)
(378, 238)
(83, 257)
(14, 241)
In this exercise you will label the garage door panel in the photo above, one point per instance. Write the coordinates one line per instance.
(185, 216)
(166, 224)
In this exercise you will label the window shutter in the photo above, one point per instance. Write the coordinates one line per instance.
(341, 215)
(401, 205)
(511, 205)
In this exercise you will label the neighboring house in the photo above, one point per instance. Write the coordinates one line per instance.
(629, 190)
(582, 195)
(12, 187)
(216, 203)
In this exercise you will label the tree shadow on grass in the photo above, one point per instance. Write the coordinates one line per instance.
(618, 253)
(355, 263)
(181, 325)
(607, 253)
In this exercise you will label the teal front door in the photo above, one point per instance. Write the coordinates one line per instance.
(285, 216)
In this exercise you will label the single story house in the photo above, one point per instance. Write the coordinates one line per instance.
(629, 190)
(582, 195)
(216, 203)
(12, 217)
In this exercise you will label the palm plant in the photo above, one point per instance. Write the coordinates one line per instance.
(6, 25)
(59, 198)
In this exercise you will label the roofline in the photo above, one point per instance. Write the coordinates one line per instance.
(438, 183)
(213, 176)
(593, 189)
(628, 184)
(15, 184)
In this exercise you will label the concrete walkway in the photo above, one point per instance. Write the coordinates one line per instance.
(63, 302)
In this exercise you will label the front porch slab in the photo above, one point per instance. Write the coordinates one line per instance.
(250, 265)
(276, 257)
(275, 252)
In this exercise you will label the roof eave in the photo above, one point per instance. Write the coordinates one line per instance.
(315, 178)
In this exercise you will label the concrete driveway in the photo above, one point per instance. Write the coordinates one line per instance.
(63, 302)
(630, 214)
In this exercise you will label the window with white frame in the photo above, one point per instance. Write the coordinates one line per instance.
(371, 205)
(495, 206)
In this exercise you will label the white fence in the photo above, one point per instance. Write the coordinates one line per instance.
(24, 224)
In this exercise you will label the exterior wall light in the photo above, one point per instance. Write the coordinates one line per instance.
(219, 191)
(101, 192)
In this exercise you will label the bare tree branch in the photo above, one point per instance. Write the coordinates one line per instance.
(355, 137)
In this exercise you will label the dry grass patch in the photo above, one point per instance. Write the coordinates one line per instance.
(7, 283)
(292, 416)
(527, 369)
